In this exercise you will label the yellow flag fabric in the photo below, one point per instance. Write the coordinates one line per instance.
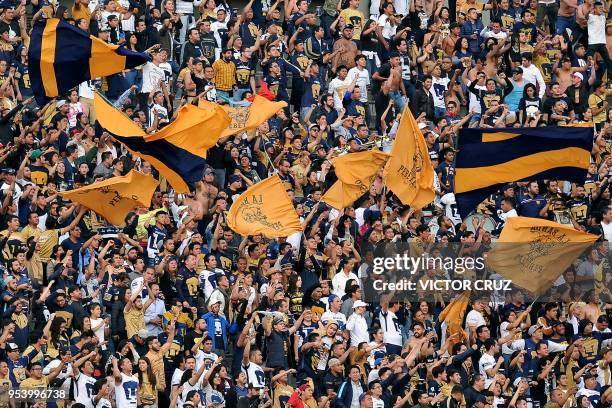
(533, 252)
(264, 208)
(178, 150)
(341, 195)
(453, 316)
(355, 172)
(244, 118)
(115, 197)
(408, 172)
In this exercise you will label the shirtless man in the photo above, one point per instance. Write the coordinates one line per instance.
(448, 44)
(204, 196)
(391, 74)
(566, 15)
(492, 59)
(563, 70)
(582, 11)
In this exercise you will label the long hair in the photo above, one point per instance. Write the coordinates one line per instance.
(149, 373)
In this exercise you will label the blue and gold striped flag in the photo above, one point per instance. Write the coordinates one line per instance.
(61, 56)
(178, 150)
(489, 158)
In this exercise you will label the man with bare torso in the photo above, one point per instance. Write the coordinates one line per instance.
(205, 194)
(391, 74)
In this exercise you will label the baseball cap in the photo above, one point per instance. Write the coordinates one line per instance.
(332, 297)
(60, 103)
(234, 178)
(36, 154)
(348, 27)
(433, 156)
(533, 329)
(359, 303)
(278, 320)
(209, 171)
(517, 70)
(143, 333)
(378, 361)
(578, 75)
(12, 347)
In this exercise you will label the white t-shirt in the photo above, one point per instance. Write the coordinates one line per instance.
(255, 374)
(474, 318)
(597, 29)
(338, 88)
(438, 89)
(358, 326)
(362, 82)
(126, 393)
(485, 363)
(100, 331)
(151, 75)
(607, 230)
(401, 7)
(391, 328)
(450, 207)
(388, 30)
(84, 390)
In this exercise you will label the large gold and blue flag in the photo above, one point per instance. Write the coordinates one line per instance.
(61, 56)
(489, 158)
(178, 150)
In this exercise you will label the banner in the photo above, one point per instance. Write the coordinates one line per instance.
(533, 253)
(355, 172)
(61, 56)
(114, 198)
(264, 208)
(177, 151)
(488, 158)
(408, 172)
(244, 118)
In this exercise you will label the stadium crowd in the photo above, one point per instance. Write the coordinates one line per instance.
(174, 309)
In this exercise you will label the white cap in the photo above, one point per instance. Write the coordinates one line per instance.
(359, 303)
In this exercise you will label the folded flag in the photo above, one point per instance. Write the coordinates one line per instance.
(489, 158)
(178, 150)
(355, 172)
(453, 315)
(61, 56)
(264, 208)
(533, 252)
(341, 195)
(408, 172)
(245, 118)
(115, 197)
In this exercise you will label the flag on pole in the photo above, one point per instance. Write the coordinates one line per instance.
(264, 208)
(115, 197)
(533, 252)
(408, 172)
(61, 56)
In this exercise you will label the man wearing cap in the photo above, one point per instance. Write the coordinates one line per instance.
(333, 313)
(39, 174)
(530, 345)
(334, 377)
(578, 92)
(357, 324)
